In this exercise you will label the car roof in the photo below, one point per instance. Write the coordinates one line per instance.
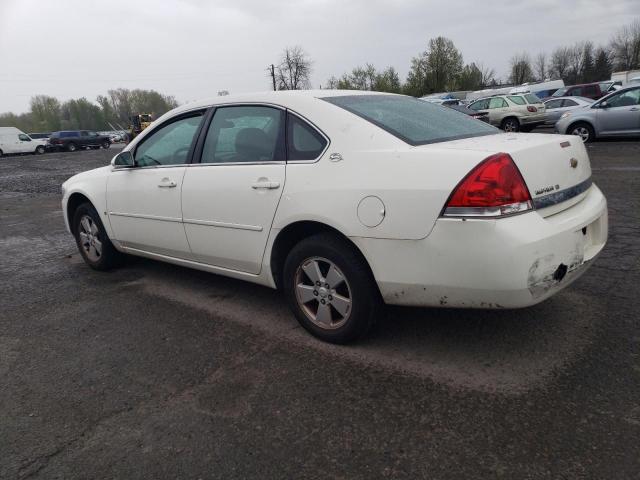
(290, 97)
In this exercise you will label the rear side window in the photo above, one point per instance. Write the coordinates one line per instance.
(414, 121)
(551, 104)
(531, 98)
(575, 92)
(518, 100)
(567, 102)
(245, 134)
(303, 141)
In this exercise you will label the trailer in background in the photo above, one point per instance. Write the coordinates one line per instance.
(626, 77)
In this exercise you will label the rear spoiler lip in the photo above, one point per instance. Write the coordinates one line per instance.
(562, 196)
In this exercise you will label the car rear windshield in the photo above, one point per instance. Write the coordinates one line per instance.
(414, 121)
(532, 98)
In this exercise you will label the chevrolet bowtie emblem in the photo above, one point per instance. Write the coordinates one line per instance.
(573, 162)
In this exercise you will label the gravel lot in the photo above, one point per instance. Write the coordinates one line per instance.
(156, 371)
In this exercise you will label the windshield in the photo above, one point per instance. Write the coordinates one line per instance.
(411, 120)
(560, 92)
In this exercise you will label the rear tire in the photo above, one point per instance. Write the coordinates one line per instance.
(510, 124)
(582, 130)
(72, 147)
(106, 145)
(91, 238)
(330, 289)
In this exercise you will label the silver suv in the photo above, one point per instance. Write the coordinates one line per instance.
(512, 113)
(617, 114)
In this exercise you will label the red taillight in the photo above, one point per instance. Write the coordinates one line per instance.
(493, 188)
(531, 108)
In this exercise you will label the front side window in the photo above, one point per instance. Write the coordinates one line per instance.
(625, 99)
(414, 121)
(24, 138)
(303, 141)
(245, 134)
(480, 105)
(169, 144)
(497, 102)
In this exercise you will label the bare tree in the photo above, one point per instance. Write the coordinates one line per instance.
(559, 64)
(488, 75)
(540, 66)
(625, 47)
(521, 70)
(294, 70)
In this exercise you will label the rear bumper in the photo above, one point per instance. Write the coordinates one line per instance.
(507, 263)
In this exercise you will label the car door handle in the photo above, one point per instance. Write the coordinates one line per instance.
(166, 183)
(265, 184)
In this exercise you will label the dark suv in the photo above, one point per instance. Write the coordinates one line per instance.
(71, 140)
(589, 90)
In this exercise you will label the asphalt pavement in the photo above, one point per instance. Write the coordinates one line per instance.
(157, 371)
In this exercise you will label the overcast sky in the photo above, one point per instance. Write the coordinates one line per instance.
(193, 48)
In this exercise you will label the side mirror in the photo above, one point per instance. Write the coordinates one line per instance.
(123, 160)
(604, 104)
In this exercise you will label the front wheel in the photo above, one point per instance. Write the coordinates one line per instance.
(330, 288)
(91, 238)
(584, 131)
(106, 144)
(40, 150)
(72, 147)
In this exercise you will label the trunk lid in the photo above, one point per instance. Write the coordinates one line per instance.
(556, 168)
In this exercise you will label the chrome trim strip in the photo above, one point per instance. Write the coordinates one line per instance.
(146, 217)
(266, 162)
(563, 195)
(237, 226)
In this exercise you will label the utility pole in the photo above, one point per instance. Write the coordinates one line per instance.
(273, 76)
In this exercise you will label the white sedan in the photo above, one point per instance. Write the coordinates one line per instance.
(345, 200)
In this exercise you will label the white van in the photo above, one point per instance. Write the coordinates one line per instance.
(13, 140)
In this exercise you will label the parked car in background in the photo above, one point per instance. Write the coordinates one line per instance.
(268, 188)
(589, 90)
(40, 136)
(512, 113)
(72, 140)
(482, 116)
(617, 114)
(555, 107)
(14, 140)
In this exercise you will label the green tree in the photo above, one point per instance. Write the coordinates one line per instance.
(435, 70)
(45, 111)
(388, 81)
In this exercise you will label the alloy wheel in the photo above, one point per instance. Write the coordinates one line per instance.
(582, 132)
(89, 234)
(323, 293)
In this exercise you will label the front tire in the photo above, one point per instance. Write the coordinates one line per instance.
(106, 145)
(91, 238)
(582, 130)
(72, 147)
(510, 124)
(330, 288)
(40, 150)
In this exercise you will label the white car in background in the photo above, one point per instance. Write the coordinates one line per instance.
(345, 199)
(512, 113)
(14, 140)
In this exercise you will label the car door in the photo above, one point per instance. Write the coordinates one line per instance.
(143, 202)
(498, 108)
(230, 198)
(621, 116)
(24, 144)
